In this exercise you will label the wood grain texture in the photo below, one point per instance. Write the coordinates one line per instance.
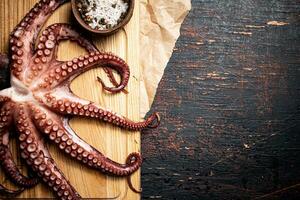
(112, 141)
(229, 102)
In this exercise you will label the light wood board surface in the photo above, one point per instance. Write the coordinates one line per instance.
(113, 142)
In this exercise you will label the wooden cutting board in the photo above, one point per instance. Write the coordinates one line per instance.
(112, 141)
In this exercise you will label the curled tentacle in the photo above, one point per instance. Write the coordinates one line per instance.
(66, 72)
(66, 32)
(55, 33)
(23, 37)
(48, 46)
(68, 141)
(3, 130)
(38, 158)
(6, 159)
(112, 79)
(13, 172)
(61, 31)
(48, 43)
(129, 160)
(74, 106)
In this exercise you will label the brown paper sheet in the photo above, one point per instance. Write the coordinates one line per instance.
(160, 22)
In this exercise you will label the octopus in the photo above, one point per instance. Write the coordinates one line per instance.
(39, 103)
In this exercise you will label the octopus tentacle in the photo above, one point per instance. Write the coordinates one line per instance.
(6, 159)
(68, 141)
(69, 70)
(47, 46)
(23, 37)
(112, 79)
(60, 31)
(56, 33)
(74, 106)
(53, 35)
(3, 99)
(3, 130)
(12, 171)
(38, 158)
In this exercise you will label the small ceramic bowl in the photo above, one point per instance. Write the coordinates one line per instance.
(105, 32)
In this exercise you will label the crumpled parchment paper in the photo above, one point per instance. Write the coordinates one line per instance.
(160, 22)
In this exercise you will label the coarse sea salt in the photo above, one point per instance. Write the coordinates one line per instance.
(102, 14)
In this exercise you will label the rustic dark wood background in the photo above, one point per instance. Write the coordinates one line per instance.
(229, 101)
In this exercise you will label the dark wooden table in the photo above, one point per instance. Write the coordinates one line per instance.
(229, 101)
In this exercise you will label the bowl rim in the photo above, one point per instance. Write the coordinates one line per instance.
(122, 23)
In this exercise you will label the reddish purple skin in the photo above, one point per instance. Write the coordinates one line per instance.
(39, 104)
